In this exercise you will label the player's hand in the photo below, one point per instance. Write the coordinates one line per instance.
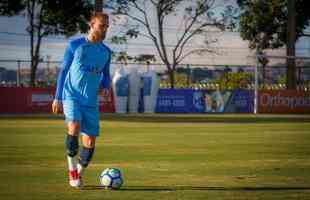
(56, 106)
(105, 92)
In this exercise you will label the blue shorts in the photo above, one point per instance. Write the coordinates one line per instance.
(88, 116)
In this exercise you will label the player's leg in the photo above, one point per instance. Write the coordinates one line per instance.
(72, 146)
(90, 131)
(73, 118)
(86, 152)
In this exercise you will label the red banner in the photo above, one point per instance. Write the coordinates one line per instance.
(284, 101)
(39, 100)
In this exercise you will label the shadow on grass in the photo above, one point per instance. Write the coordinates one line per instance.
(192, 188)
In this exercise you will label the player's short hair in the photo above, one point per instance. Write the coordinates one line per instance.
(99, 15)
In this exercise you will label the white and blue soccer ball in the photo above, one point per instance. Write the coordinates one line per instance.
(111, 178)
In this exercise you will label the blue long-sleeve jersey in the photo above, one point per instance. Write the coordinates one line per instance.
(85, 66)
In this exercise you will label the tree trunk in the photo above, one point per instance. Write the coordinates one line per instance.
(31, 9)
(35, 58)
(171, 78)
(290, 51)
(291, 72)
(33, 70)
(264, 75)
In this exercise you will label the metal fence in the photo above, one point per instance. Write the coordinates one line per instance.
(17, 73)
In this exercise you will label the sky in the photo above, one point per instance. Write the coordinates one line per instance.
(14, 44)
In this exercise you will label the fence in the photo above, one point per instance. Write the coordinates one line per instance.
(17, 73)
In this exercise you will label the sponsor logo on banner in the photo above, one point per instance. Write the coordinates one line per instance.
(240, 101)
(215, 101)
(173, 100)
(198, 101)
(286, 101)
(41, 99)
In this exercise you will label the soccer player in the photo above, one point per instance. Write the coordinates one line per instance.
(85, 70)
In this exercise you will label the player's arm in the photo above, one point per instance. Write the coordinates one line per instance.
(105, 77)
(68, 58)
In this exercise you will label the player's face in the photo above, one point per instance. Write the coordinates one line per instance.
(100, 28)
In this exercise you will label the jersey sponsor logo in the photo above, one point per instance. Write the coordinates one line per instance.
(92, 69)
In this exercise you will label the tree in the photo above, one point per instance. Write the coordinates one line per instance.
(264, 23)
(48, 17)
(11, 7)
(149, 18)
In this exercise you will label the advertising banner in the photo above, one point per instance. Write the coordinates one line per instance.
(284, 101)
(25, 100)
(32, 100)
(241, 101)
(174, 101)
(216, 100)
(39, 100)
(204, 101)
(106, 102)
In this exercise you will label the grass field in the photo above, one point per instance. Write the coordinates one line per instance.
(162, 157)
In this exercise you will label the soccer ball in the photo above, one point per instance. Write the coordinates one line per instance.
(111, 178)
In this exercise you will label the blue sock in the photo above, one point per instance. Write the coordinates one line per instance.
(86, 155)
(72, 145)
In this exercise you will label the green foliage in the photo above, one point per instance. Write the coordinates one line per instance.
(53, 17)
(48, 17)
(119, 39)
(282, 79)
(235, 80)
(264, 23)
(11, 7)
(181, 81)
(132, 33)
(122, 57)
(66, 17)
(145, 58)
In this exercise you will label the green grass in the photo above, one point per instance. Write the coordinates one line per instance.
(162, 157)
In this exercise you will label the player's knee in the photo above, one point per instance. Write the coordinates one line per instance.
(89, 141)
(86, 155)
(74, 128)
(72, 145)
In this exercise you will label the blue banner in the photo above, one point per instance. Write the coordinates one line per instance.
(174, 101)
(216, 100)
(242, 101)
(204, 101)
